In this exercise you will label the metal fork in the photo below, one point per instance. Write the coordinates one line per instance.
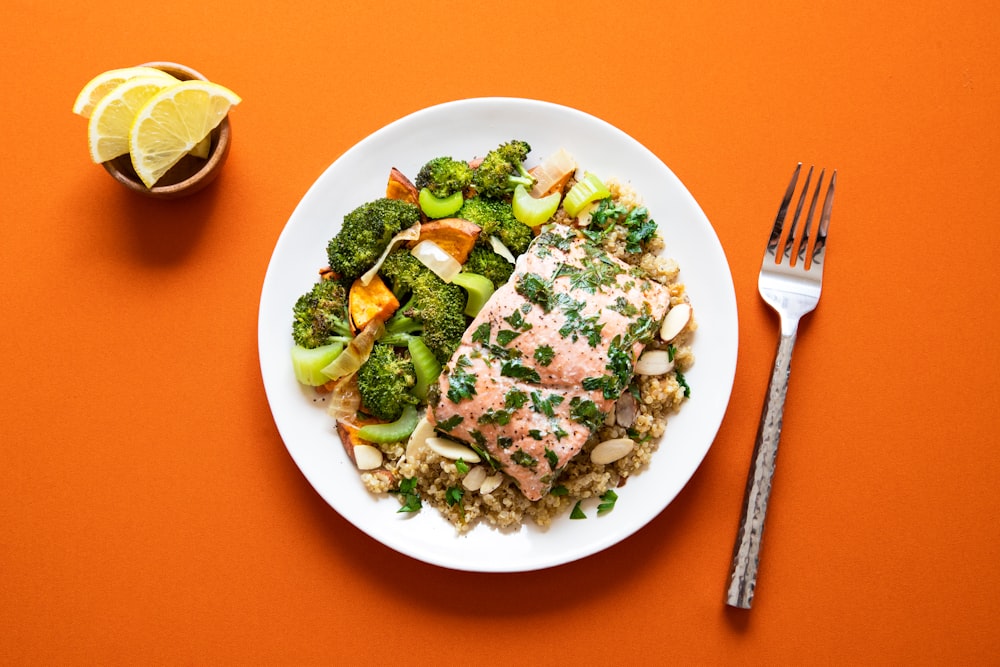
(790, 280)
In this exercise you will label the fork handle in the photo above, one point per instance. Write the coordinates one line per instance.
(746, 552)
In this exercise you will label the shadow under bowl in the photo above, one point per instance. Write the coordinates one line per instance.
(191, 173)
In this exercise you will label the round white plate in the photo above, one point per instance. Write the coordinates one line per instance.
(466, 129)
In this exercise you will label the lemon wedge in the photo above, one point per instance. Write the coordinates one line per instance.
(104, 83)
(112, 117)
(172, 122)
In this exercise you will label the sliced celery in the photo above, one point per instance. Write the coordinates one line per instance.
(531, 211)
(425, 366)
(439, 207)
(479, 289)
(393, 431)
(588, 189)
(308, 363)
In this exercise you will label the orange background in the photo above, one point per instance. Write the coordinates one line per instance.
(149, 512)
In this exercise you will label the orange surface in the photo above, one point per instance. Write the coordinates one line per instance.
(149, 512)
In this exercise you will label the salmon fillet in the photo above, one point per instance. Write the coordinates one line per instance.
(546, 358)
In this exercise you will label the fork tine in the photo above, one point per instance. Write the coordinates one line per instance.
(779, 220)
(819, 250)
(790, 239)
(804, 243)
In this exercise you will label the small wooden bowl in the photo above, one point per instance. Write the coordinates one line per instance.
(189, 175)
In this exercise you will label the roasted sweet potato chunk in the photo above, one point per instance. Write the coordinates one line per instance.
(455, 236)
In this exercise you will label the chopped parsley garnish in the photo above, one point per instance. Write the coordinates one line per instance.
(514, 399)
(461, 383)
(516, 320)
(524, 459)
(544, 354)
(461, 466)
(536, 434)
(602, 271)
(620, 365)
(622, 306)
(559, 491)
(545, 406)
(576, 326)
(499, 417)
(577, 512)
(483, 454)
(639, 228)
(535, 289)
(482, 334)
(515, 369)
(683, 382)
(504, 442)
(608, 500)
(453, 495)
(450, 423)
(552, 458)
(586, 412)
(505, 336)
(408, 492)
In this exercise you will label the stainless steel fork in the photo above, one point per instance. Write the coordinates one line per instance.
(790, 281)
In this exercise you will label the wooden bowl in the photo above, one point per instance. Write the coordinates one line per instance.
(189, 175)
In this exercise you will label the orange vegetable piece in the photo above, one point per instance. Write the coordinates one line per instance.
(402, 188)
(348, 432)
(455, 236)
(370, 302)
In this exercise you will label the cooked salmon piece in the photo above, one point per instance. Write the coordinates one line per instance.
(547, 357)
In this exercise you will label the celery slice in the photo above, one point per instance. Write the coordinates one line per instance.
(393, 431)
(425, 366)
(479, 288)
(308, 363)
(439, 207)
(532, 211)
(588, 189)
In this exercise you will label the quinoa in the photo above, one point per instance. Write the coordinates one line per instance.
(439, 481)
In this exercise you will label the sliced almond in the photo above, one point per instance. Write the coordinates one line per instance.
(491, 483)
(654, 362)
(367, 457)
(474, 479)
(452, 450)
(625, 410)
(610, 451)
(675, 321)
(418, 439)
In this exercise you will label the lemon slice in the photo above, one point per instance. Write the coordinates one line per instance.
(173, 122)
(113, 115)
(104, 83)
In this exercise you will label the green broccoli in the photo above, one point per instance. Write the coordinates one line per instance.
(385, 381)
(444, 176)
(436, 305)
(484, 261)
(496, 218)
(502, 170)
(365, 234)
(440, 306)
(320, 315)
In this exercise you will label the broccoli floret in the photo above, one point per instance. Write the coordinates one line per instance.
(440, 307)
(502, 170)
(486, 262)
(401, 269)
(320, 315)
(496, 218)
(365, 234)
(437, 306)
(385, 381)
(444, 176)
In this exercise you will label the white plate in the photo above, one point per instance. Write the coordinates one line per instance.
(465, 129)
